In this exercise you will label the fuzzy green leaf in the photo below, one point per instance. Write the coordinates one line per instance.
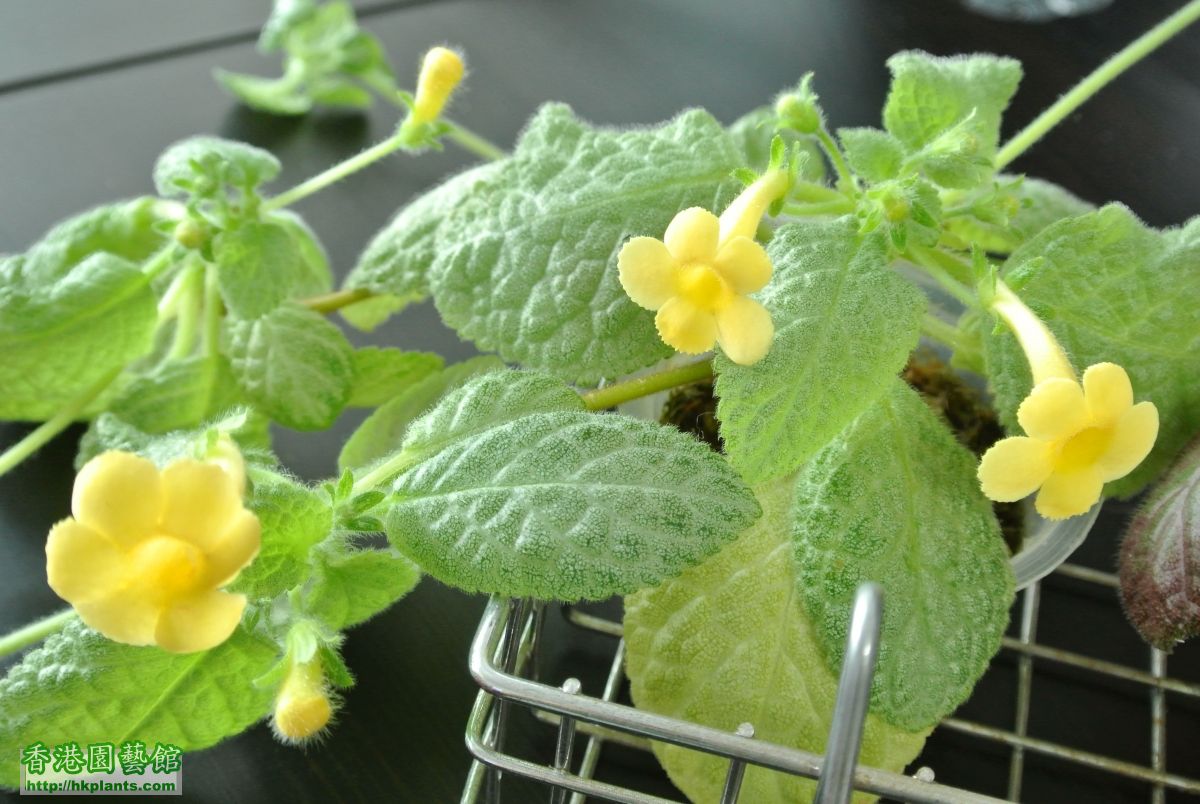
(1112, 289)
(383, 431)
(1039, 203)
(873, 154)
(81, 686)
(894, 500)
(281, 96)
(527, 266)
(728, 641)
(753, 134)
(293, 364)
(567, 505)
(313, 276)
(247, 427)
(844, 326)
(202, 165)
(383, 374)
(177, 394)
(63, 330)
(126, 229)
(258, 266)
(353, 587)
(294, 519)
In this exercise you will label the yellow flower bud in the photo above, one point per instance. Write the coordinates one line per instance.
(303, 707)
(146, 553)
(441, 72)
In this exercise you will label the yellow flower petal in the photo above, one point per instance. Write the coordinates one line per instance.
(200, 622)
(745, 331)
(1108, 392)
(123, 616)
(1014, 468)
(1066, 494)
(120, 495)
(1132, 439)
(201, 502)
(235, 550)
(744, 264)
(647, 272)
(1054, 410)
(692, 236)
(685, 327)
(81, 563)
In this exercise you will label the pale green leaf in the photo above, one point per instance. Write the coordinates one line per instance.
(126, 229)
(382, 432)
(293, 364)
(566, 506)
(527, 267)
(177, 394)
(728, 642)
(85, 688)
(204, 164)
(845, 323)
(382, 374)
(247, 427)
(894, 500)
(294, 518)
(313, 277)
(1038, 204)
(258, 267)
(1113, 290)
(873, 154)
(352, 587)
(281, 96)
(753, 133)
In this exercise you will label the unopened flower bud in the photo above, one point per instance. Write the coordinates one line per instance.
(190, 234)
(441, 72)
(303, 707)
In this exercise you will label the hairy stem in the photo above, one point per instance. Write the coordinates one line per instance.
(331, 302)
(845, 177)
(214, 308)
(54, 425)
(35, 632)
(334, 174)
(612, 395)
(470, 141)
(1121, 61)
(939, 330)
(946, 270)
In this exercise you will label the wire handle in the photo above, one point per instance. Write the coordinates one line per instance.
(836, 782)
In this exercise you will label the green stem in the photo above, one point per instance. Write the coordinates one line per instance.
(330, 302)
(613, 395)
(808, 192)
(940, 331)
(841, 207)
(54, 425)
(34, 632)
(930, 261)
(189, 309)
(334, 174)
(388, 469)
(470, 141)
(1130, 55)
(213, 310)
(834, 153)
(163, 259)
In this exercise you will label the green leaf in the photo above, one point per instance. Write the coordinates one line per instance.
(350, 588)
(396, 262)
(369, 313)
(873, 154)
(258, 266)
(80, 686)
(1113, 290)
(313, 277)
(294, 518)
(247, 427)
(382, 374)
(894, 500)
(1038, 204)
(281, 96)
(126, 229)
(286, 15)
(293, 364)
(62, 331)
(844, 326)
(752, 134)
(205, 165)
(382, 432)
(527, 267)
(949, 109)
(727, 642)
(567, 505)
(177, 394)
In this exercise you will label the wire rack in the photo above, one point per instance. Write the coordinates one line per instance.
(503, 663)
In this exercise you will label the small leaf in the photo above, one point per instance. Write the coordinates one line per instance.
(313, 277)
(293, 364)
(845, 323)
(1039, 203)
(527, 267)
(213, 160)
(294, 519)
(894, 500)
(1160, 557)
(754, 132)
(177, 394)
(728, 642)
(382, 432)
(355, 586)
(281, 96)
(381, 374)
(258, 267)
(873, 154)
(567, 505)
(245, 426)
(85, 688)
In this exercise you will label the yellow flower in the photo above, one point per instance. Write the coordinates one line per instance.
(698, 276)
(146, 554)
(441, 71)
(303, 706)
(1079, 436)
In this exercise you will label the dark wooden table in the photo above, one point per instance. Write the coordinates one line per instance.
(91, 92)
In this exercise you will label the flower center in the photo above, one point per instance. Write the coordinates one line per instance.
(700, 284)
(167, 567)
(1084, 448)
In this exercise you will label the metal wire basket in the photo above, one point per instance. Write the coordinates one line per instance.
(508, 637)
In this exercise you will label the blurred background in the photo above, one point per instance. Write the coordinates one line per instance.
(91, 93)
